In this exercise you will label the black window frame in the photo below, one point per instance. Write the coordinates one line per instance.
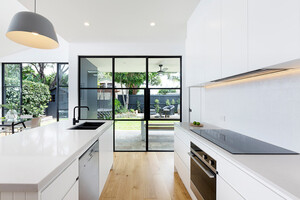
(147, 90)
(21, 82)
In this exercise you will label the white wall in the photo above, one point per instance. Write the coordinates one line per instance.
(101, 49)
(267, 109)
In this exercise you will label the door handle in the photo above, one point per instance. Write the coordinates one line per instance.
(207, 172)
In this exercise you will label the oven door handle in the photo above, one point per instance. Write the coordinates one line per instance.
(207, 172)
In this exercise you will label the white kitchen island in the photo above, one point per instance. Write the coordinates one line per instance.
(44, 160)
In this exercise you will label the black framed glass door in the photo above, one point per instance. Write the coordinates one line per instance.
(142, 97)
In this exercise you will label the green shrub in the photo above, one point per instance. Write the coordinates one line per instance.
(168, 102)
(173, 102)
(118, 106)
(138, 105)
(131, 110)
(156, 105)
(35, 98)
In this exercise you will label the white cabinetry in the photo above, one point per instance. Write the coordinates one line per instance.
(212, 43)
(73, 194)
(59, 188)
(234, 37)
(181, 157)
(195, 49)
(229, 37)
(105, 156)
(225, 191)
(233, 182)
(273, 32)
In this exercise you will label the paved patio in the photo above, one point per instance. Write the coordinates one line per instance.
(131, 140)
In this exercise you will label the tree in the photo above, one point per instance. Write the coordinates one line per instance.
(134, 80)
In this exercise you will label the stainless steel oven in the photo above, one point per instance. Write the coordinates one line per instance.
(203, 174)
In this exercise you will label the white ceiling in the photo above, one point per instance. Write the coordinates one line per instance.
(8, 8)
(136, 64)
(124, 21)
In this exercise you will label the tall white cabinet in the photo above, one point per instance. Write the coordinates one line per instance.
(234, 37)
(273, 32)
(229, 37)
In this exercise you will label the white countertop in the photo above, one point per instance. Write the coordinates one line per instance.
(29, 160)
(279, 172)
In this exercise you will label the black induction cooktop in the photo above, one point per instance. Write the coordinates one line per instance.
(237, 143)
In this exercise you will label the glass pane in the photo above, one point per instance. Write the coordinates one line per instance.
(12, 96)
(12, 74)
(130, 135)
(63, 103)
(96, 72)
(39, 90)
(164, 104)
(63, 79)
(129, 104)
(161, 135)
(130, 72)
(99, 102)
(164, 73)
(63, 75)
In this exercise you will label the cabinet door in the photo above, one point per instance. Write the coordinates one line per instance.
(212, 42)
(273, 32)
(73, 194)
(105, 156)
(234, 37)
(225, 191)
(195, 49)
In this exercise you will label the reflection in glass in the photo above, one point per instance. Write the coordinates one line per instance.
(165, 104)
(96, 72)
(129, 104)
(63, 101)
(164, 73)
(99, 102)
(130, 135)
(130, 72)
(12, 75)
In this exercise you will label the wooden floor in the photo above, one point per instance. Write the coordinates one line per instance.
(144, 175)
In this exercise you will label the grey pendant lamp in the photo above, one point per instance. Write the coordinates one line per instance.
(33, 30)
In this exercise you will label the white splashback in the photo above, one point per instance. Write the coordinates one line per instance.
(266, 108)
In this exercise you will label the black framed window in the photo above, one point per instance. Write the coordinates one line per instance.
(142, 94)
(23, 83)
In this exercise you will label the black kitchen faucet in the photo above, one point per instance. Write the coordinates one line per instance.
(77, 120)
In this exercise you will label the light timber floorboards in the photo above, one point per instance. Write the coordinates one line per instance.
(144, 175)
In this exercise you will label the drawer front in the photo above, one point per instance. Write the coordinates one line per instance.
(62, 184)
(184, 136)
(225, 191)
(182, 170)
(182, 150)
(245, 184)
(73, 193)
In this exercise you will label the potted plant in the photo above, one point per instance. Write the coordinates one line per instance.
(12, 114)
(36, 97)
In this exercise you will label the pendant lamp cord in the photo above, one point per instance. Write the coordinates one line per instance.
(34, 6)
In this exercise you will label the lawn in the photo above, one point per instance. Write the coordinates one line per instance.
(136, 125)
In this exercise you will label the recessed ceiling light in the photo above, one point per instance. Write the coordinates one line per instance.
(34, 33)
(152, 24)
(86, 24)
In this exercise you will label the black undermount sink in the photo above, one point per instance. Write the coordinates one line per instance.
(87, 126)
